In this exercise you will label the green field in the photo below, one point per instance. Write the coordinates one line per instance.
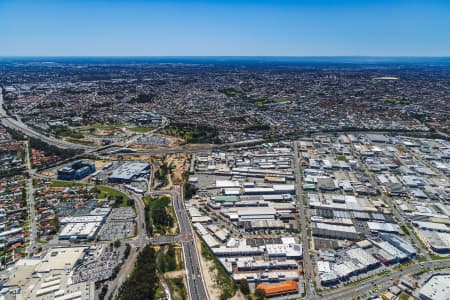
(62, 183)
(106, 191)
(140, 129)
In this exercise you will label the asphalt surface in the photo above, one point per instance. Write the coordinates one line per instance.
(196, 286)
(30, 200)
(354, 291)
(307, 265)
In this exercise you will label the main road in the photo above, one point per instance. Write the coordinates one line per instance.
(194, 275)
(308, 269)
(30, 200)
(363, 288)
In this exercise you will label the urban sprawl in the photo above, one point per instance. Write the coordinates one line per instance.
(203, 181)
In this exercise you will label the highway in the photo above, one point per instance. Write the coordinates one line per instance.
(12, 123)
(196, 287)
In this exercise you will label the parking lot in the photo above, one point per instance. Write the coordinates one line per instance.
(120, 224)
(101, 267)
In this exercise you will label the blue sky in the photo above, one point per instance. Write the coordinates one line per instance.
(235, 28)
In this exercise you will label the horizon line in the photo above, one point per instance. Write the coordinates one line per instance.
(230, 56)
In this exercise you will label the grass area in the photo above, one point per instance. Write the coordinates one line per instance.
(439, 257)
(159, 214)
(422, 259)
(140, 129)
(62, 183)
(177, 288)
(223, 279)
(421, 272)
(67, 132)
(78, 141)
(168, 259)
(281, 100)
(41, 241)
(419, 239)
(106, 191)
(193, 134)
(404, 230)
(342, 158)
(397, 101)
(405, 265)
(379, 274)
(103, 126)
(403, 296)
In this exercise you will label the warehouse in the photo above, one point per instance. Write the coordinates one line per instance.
(263, 225)
(250, 264)
(436, 288)
(363, 257)
(221, 184)
(241, 250)
(399, 243)
(293, 251)
(383, 227)
(210, 241)
(284, 288)
(271, 276)
(80, 231)
(253, 213)
(82, 219)
(396, 253)
(335, 231)
(439, 242)
(129, 171)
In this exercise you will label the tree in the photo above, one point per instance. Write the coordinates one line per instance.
(243, 285)
(260, 294)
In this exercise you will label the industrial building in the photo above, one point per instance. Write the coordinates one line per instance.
(335, 231)
(80, 231)
(129, 171)
(279, 289)
(76, 170)
(399, 243)
(436, 288)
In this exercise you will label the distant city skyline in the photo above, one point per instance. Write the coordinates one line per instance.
(225, 28)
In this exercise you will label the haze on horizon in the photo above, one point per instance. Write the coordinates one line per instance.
(225, 28)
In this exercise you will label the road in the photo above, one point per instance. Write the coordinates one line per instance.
(30, 200)
(12, 123)
(354, 291)
(395, 210)
(307, 265)
(196, 287)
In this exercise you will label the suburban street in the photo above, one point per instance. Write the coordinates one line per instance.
(30, 201)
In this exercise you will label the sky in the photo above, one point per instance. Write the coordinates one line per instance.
(225, 28)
